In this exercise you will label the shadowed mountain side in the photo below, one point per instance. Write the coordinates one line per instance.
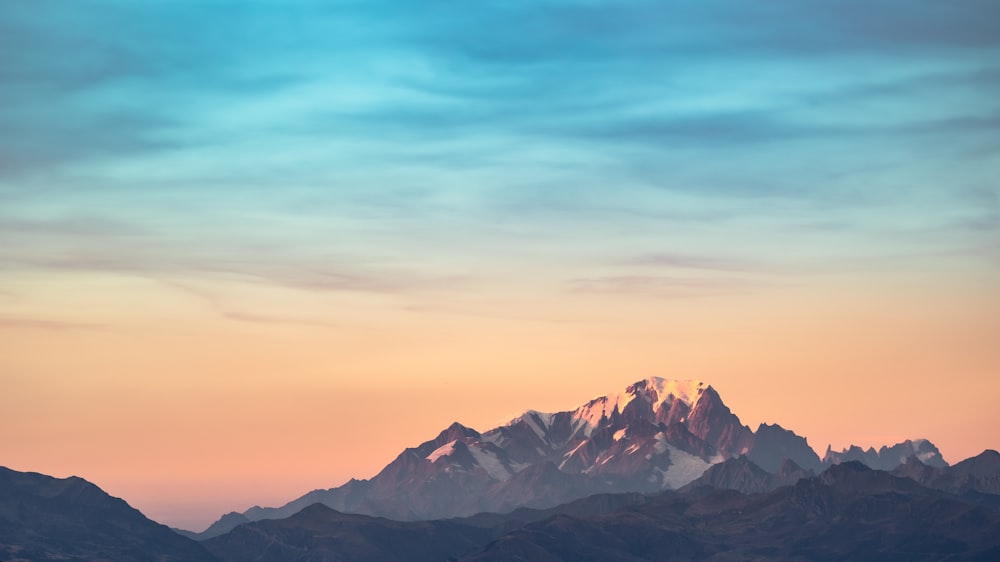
(849, 512)
(226, 523)
(976, 478)
(773, 444)
(327, 535)
(320, 534)
(589, 506)
(44, 518)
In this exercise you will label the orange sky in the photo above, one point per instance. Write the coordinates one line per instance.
(188, 414)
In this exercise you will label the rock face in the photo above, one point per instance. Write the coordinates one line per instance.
(44, 518)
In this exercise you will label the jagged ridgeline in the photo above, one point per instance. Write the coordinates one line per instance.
(656, 434)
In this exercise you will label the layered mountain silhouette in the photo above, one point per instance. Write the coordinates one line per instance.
(69, 519)
(654, 435)
(848, 512)
(660, 471)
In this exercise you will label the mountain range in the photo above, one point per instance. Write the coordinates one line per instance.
(654, 435)
(662, 470)
(847, 512)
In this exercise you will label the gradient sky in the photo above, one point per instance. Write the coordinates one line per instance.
(249, 248)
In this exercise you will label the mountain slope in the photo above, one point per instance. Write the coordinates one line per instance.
(44, 518)
(318, 533)
(976, 478)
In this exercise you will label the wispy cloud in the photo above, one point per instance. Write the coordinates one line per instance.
(664, 286)
(199, 137)
(27, 323)
(710, 263)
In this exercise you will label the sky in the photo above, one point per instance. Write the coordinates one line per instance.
(250, 248)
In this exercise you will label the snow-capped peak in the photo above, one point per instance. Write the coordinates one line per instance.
(687, 391)
(654, 390)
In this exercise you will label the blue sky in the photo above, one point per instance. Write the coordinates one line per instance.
(806, 129)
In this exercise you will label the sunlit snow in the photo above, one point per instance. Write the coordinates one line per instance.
(684, 468)
(442, 451)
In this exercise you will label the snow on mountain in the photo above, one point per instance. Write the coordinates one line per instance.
(685, 468)
(655, 392)
(442, 451)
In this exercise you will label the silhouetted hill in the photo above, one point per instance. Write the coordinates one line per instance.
(320, 534)
(742, 475)
(849, 512)
(69, 519)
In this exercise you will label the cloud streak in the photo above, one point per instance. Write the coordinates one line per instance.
(665, 286)
(25, 323)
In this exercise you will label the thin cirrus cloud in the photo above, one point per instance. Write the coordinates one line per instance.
(45, 324)
(571, 114)
(666, 286)
(703, 262)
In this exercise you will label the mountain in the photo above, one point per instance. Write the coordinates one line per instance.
(849, 512)
(973, 477)
(774, 444)
(655, 434)
(888, 458)
(742, 475)
(225, 524)
(44, 518)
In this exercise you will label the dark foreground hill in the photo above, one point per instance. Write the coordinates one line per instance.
(69, 519)
(849, 512)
